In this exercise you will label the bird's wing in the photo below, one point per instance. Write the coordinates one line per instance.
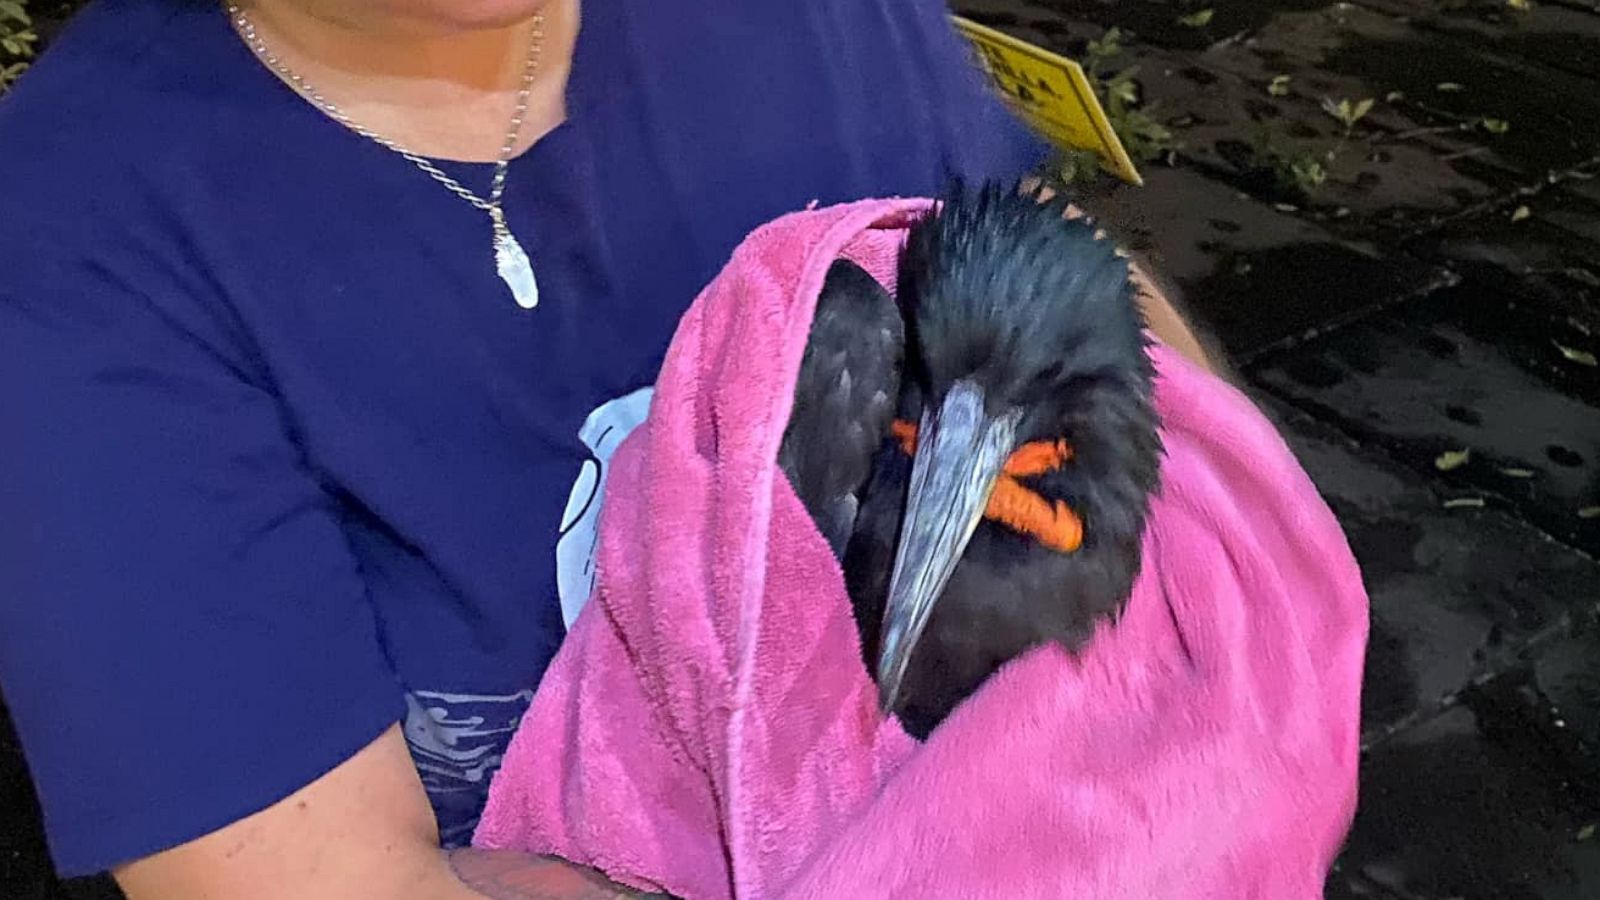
(845, 399)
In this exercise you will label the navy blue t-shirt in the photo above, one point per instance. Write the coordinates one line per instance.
(282, 462)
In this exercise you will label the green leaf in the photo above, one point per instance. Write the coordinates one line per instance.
(1151, 130)
(9, 74)
(1307, 173)
(1518, 473)
(1520, 5)
(1589, 512)
(1279, 86)
(1451, 460)
(1520, 213)
(1347, 112)
(1448, 87)
(1581, 357)
(1109, 45)
(1585, 833)
(1197, 19)
(1496, 126)
(1080, 166)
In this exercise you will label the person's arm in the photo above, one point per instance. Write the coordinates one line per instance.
(1172, 327)
(363, 830)
(187, 645)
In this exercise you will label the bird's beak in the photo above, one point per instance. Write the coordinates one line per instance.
(961, 451)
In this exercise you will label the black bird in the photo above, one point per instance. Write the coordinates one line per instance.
(1016, 330)
(845, 399)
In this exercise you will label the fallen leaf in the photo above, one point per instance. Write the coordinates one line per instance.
(1279, 86)
(1464, 503)
(1197, 19)
(1520, 213)
(1585, 832)
(1496, 126)
(1285, 207)
(1362, 108)
(1581, 357)
(1589, 512)
(1520, 5)
(1394, 96)
(1518, 473)
(1584, 276)
(1448, 87)
(1452, 459)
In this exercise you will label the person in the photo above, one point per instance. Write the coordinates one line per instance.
(319, 320)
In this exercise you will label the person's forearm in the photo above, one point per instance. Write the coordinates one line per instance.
(507, 875)
(1172, 328)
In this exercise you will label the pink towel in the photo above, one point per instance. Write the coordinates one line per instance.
(709, 727)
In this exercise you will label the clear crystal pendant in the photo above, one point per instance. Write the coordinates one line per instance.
(513, 264)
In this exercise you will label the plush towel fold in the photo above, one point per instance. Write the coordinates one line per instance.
(709, 727)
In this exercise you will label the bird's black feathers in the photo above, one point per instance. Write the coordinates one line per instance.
(1001, 288)
(845, 398)
(997, 289)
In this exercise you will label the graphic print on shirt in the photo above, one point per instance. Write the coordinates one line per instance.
(457, 742)
(602, 432)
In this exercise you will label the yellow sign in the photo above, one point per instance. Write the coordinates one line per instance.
(1051, 92)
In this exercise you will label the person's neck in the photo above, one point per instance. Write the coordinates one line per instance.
(447, 95)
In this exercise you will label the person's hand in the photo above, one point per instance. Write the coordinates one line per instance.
(365, 829)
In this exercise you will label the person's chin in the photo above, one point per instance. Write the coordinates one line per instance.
(471, 15)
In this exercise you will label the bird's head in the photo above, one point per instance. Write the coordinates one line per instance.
(1023, 330)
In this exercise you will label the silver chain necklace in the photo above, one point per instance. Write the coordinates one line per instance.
(510, 259)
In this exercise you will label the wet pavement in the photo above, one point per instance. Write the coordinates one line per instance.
(1413, 295)
(1422, 321)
